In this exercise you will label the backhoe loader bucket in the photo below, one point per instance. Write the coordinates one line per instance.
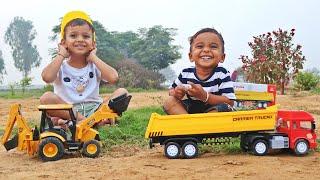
(12, 143)
(120, 104)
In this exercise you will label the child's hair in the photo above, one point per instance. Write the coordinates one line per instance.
(204, 30)
(77, 22)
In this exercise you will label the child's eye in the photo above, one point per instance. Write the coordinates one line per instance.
(199, 46)
(72, 35)
(213, 46)
(86, 36)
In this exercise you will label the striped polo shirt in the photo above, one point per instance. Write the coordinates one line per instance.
(218, 83)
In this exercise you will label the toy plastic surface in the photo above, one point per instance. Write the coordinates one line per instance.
(49, 141)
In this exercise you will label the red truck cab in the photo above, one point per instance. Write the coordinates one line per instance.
(300, 128)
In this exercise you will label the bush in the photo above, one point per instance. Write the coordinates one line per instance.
(47, 87)
(306, 81)
(133, 75)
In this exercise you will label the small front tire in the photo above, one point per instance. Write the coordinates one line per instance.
(301, 148)
(260, 147)
(172, 150)
(91, 148)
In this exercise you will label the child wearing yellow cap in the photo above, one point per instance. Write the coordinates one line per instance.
(76, 70)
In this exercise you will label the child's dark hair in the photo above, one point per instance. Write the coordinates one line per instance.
(204, 30)
(77, 22)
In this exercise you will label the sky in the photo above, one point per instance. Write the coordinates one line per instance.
(237, 20)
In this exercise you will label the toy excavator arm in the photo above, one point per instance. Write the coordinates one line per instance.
(23, 129)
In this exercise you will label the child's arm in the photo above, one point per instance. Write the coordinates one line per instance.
(107, 72)
(197, 91)
(49, 73)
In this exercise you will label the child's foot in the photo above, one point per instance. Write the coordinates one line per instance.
(60, 122)
(106, 122)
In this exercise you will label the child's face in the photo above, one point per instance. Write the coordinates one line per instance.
(78, 39)
(206, 51)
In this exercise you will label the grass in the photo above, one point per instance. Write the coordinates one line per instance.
(130, 130)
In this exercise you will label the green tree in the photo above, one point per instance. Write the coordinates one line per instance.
(2, 68)
(275, 59)
(20, 35)
(156, 50)
(127, 43)
(25, 82)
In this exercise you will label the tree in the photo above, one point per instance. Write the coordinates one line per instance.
(156, 50)
(24, 83)
(2, 68)
(275, 58)
(20, 35)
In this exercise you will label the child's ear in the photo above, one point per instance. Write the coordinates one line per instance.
(63, 42)
(190, 57)
(222, 58)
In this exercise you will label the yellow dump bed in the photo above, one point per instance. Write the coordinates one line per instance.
(210, 123)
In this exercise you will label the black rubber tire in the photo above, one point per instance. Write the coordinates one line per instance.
(186, 150)
(45, 148)
(91, 148)
(172, 146)
(264, 146)
(297, 147)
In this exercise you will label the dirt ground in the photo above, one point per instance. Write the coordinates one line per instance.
(137, 163)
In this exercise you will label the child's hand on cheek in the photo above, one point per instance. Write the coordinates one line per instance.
(62, 50)
(92, 55)
(197, 91)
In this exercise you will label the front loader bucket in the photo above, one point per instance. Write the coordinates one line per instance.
(12, 143)
(120, 104)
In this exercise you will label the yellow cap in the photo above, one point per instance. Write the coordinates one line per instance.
(72, 15)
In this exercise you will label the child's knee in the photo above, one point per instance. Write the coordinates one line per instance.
(48, 98)
(170, 103)
(122, 91)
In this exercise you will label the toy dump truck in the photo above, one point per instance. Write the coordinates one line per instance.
(259, 95)
(50, 142)
(260, 130)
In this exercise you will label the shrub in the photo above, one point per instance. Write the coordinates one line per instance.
(47, 87)
(133, 75)
(306, 81)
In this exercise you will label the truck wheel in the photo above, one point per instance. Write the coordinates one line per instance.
(190, 150)
(50, 149)
(260, 147)
(91, 149)
(172, 150)
(301, 148)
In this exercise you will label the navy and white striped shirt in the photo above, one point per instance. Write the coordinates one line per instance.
(218, 83)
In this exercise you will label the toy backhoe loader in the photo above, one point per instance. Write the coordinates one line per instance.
(51, 142)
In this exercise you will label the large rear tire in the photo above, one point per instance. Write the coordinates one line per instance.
(172, 150)
(50, 149)
(190, 150)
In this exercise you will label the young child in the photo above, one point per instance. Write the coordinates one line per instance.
(76, 70)
(208, 85)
